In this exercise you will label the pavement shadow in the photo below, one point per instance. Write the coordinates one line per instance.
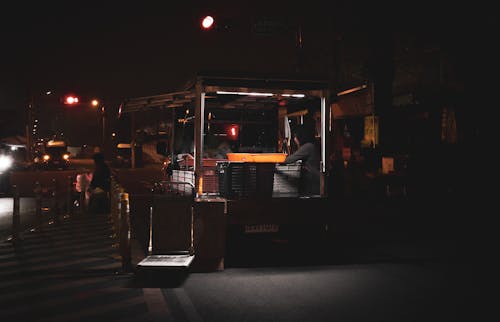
(158, 277)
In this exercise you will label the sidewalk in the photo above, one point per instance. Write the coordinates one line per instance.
(69, 272)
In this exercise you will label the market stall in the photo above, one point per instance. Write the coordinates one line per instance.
(229, 137)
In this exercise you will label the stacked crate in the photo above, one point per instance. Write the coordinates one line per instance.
(210, 180)
(240, 180)
(286, 179)
(236, 180)
(183, 176)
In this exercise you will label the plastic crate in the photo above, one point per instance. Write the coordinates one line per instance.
(238, 180)
(210, 180)
(286, 179)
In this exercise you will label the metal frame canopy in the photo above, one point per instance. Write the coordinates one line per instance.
(230, 91)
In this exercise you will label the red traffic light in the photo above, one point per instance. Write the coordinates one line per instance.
(207, 22)
(71, 100)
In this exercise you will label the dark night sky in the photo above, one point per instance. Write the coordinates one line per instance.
(125, 49)
(122, 49)
(118, 50)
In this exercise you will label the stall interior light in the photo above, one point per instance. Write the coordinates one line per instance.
(351, 90)
(294, 95)
(245, 93)
(259, 94)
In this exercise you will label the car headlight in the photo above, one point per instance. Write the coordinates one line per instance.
(66, 157)
(5, 162)
(46, 157)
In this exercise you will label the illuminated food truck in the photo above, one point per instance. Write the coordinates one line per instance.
(229, 137)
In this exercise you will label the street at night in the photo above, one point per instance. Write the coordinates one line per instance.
(258, 161)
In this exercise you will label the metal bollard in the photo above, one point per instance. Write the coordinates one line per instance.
(55, 203)
(69, 204)
(115, 208)
(125, 247)
(115, 214)
(38, 204)
(115, 211)
(16, 216)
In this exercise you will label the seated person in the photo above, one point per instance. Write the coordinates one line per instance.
(309, 155)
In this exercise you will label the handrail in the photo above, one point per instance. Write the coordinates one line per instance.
(165, 186)
(59, 200)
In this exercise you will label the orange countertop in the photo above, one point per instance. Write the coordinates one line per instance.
(257, 157)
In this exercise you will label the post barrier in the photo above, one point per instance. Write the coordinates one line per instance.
(113, 200)
(116, 190)
(112, 204)
(38, 204)
(55, 205)
(69, 204)
(16, 216)
(125, 246)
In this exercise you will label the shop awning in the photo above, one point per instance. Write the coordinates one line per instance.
(233, 92)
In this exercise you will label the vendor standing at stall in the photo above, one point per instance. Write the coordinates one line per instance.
(308, 153)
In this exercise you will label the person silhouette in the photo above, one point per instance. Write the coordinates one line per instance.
(309, 155)
(100, 185)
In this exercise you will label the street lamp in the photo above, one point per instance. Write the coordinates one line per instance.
(101, 109)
